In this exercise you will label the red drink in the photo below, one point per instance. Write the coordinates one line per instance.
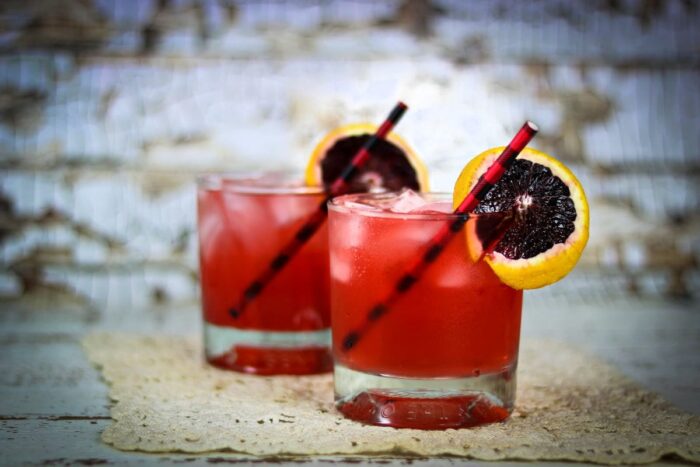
(242, 224)
(445, 354)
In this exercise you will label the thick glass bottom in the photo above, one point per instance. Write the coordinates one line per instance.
(268, 352)
(425, 403)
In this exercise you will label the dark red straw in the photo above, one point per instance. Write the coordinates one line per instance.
(315, 221)
(446, 233)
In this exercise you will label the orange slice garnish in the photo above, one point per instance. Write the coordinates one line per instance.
(393, 165)
(532, 226)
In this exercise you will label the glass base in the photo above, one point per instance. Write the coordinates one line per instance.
(424, 403)
(268, 352)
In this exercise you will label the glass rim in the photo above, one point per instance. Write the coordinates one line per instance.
(335, 206)
(273, 182)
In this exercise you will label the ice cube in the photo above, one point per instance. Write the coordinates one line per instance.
(405, 202)
(435, 207)
(341, 264)
(286, 210)
(353, 231)
(211, 223)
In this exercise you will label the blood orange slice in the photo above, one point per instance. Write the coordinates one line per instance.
(393, 165)
(534, 221)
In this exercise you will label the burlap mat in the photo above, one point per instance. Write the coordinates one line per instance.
(570, 406)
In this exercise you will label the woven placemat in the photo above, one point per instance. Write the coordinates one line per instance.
(570, 406)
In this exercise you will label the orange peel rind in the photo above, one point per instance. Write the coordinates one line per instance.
(313, 174)
(550, 264)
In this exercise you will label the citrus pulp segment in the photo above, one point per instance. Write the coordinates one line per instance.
(532, 226)
(393, 165)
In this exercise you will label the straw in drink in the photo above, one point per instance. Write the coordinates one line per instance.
(425, 333)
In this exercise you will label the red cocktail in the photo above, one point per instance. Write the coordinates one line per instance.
(243, 222)
(444, 355)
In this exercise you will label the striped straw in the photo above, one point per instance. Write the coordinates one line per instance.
(435, 247)
(316, 220)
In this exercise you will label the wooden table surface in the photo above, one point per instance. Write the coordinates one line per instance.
(54, 405)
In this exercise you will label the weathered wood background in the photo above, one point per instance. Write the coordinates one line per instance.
(108, 110)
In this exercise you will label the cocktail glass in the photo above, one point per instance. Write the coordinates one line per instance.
(243, 221)
(444, 354)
